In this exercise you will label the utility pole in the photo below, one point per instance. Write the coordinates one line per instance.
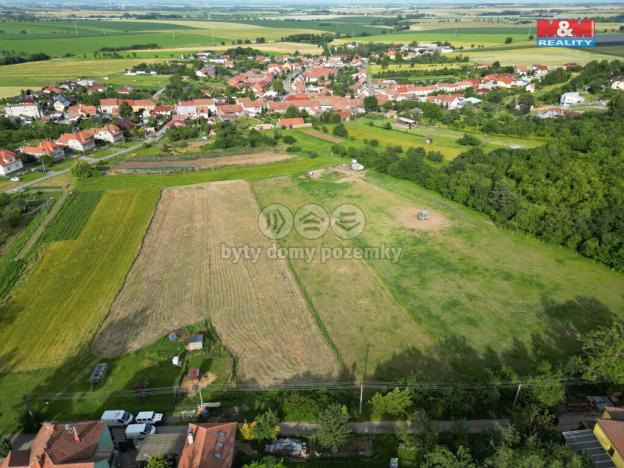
(363, 378)
(517, 393)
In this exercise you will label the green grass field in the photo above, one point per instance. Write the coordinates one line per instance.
(37, 74)
(460, 37)
(531, 55)
(444, 139)
(68, 292)
(476, 294)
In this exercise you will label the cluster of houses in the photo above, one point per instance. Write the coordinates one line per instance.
(82, 142)
(94, 444)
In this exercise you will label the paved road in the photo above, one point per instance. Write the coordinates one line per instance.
(389, 427)
(566, 422)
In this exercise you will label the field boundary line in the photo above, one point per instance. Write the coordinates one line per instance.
(41, 228)
(313, 311)
(125, 278)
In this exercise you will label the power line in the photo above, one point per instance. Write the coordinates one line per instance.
(320, 385)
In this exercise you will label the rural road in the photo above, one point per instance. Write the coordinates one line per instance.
(566, 422)
(389, 427)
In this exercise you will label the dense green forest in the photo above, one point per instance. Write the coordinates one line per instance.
(569, 192)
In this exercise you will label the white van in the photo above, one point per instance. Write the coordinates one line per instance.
(139, 431)
(149, 417)
(117, 418)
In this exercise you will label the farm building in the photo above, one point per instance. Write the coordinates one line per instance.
(195, 342)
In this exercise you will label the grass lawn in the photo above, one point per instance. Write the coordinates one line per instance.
(64, 299)
(444, 139)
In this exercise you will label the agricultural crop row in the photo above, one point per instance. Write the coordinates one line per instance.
(74, 214)
(69, 291)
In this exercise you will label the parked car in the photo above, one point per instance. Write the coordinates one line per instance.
(149, 417)
(117, 418)
(139, 431)
(16, 179)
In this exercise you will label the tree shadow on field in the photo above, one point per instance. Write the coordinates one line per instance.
(557, 337)
(115, 337)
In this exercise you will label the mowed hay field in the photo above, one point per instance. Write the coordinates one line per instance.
(363, 320)
(464, 294)
(60, 305)
(180, 278)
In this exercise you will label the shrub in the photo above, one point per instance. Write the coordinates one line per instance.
(83, 170)
(469, 140)
(289, 139)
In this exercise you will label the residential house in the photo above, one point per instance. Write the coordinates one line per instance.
(197, 107)
(610, 435)
(208, 71)
(61, 104)
(540, 71)
(252, 108)
(44, 148)
(110, 133)
(571, 99)
(229, 111)
(85, 444)
(450, 101)
(82, 110)
(9, 162)
(208, 445)
(296, 122)
(80, 141)
(23, 109)
(318, 74)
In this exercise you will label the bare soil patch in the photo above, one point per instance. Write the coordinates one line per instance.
(181, 277)
(266, 157)
(434, 222)
(323, 136)
(346, 174)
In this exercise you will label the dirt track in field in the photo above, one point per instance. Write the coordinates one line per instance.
(206, 163)
(180, 278)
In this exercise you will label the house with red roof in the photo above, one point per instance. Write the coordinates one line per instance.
(9, 162)
(110, 133)
(295, 122)
(81, 141)
(86, 444)
(208, 445)
(318, 74)
(44, 148)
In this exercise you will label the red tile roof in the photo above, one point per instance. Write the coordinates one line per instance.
(72, 445)
(7, 157)
(212, 447)
(614, 430)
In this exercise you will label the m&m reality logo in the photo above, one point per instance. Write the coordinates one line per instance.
(566, 33)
